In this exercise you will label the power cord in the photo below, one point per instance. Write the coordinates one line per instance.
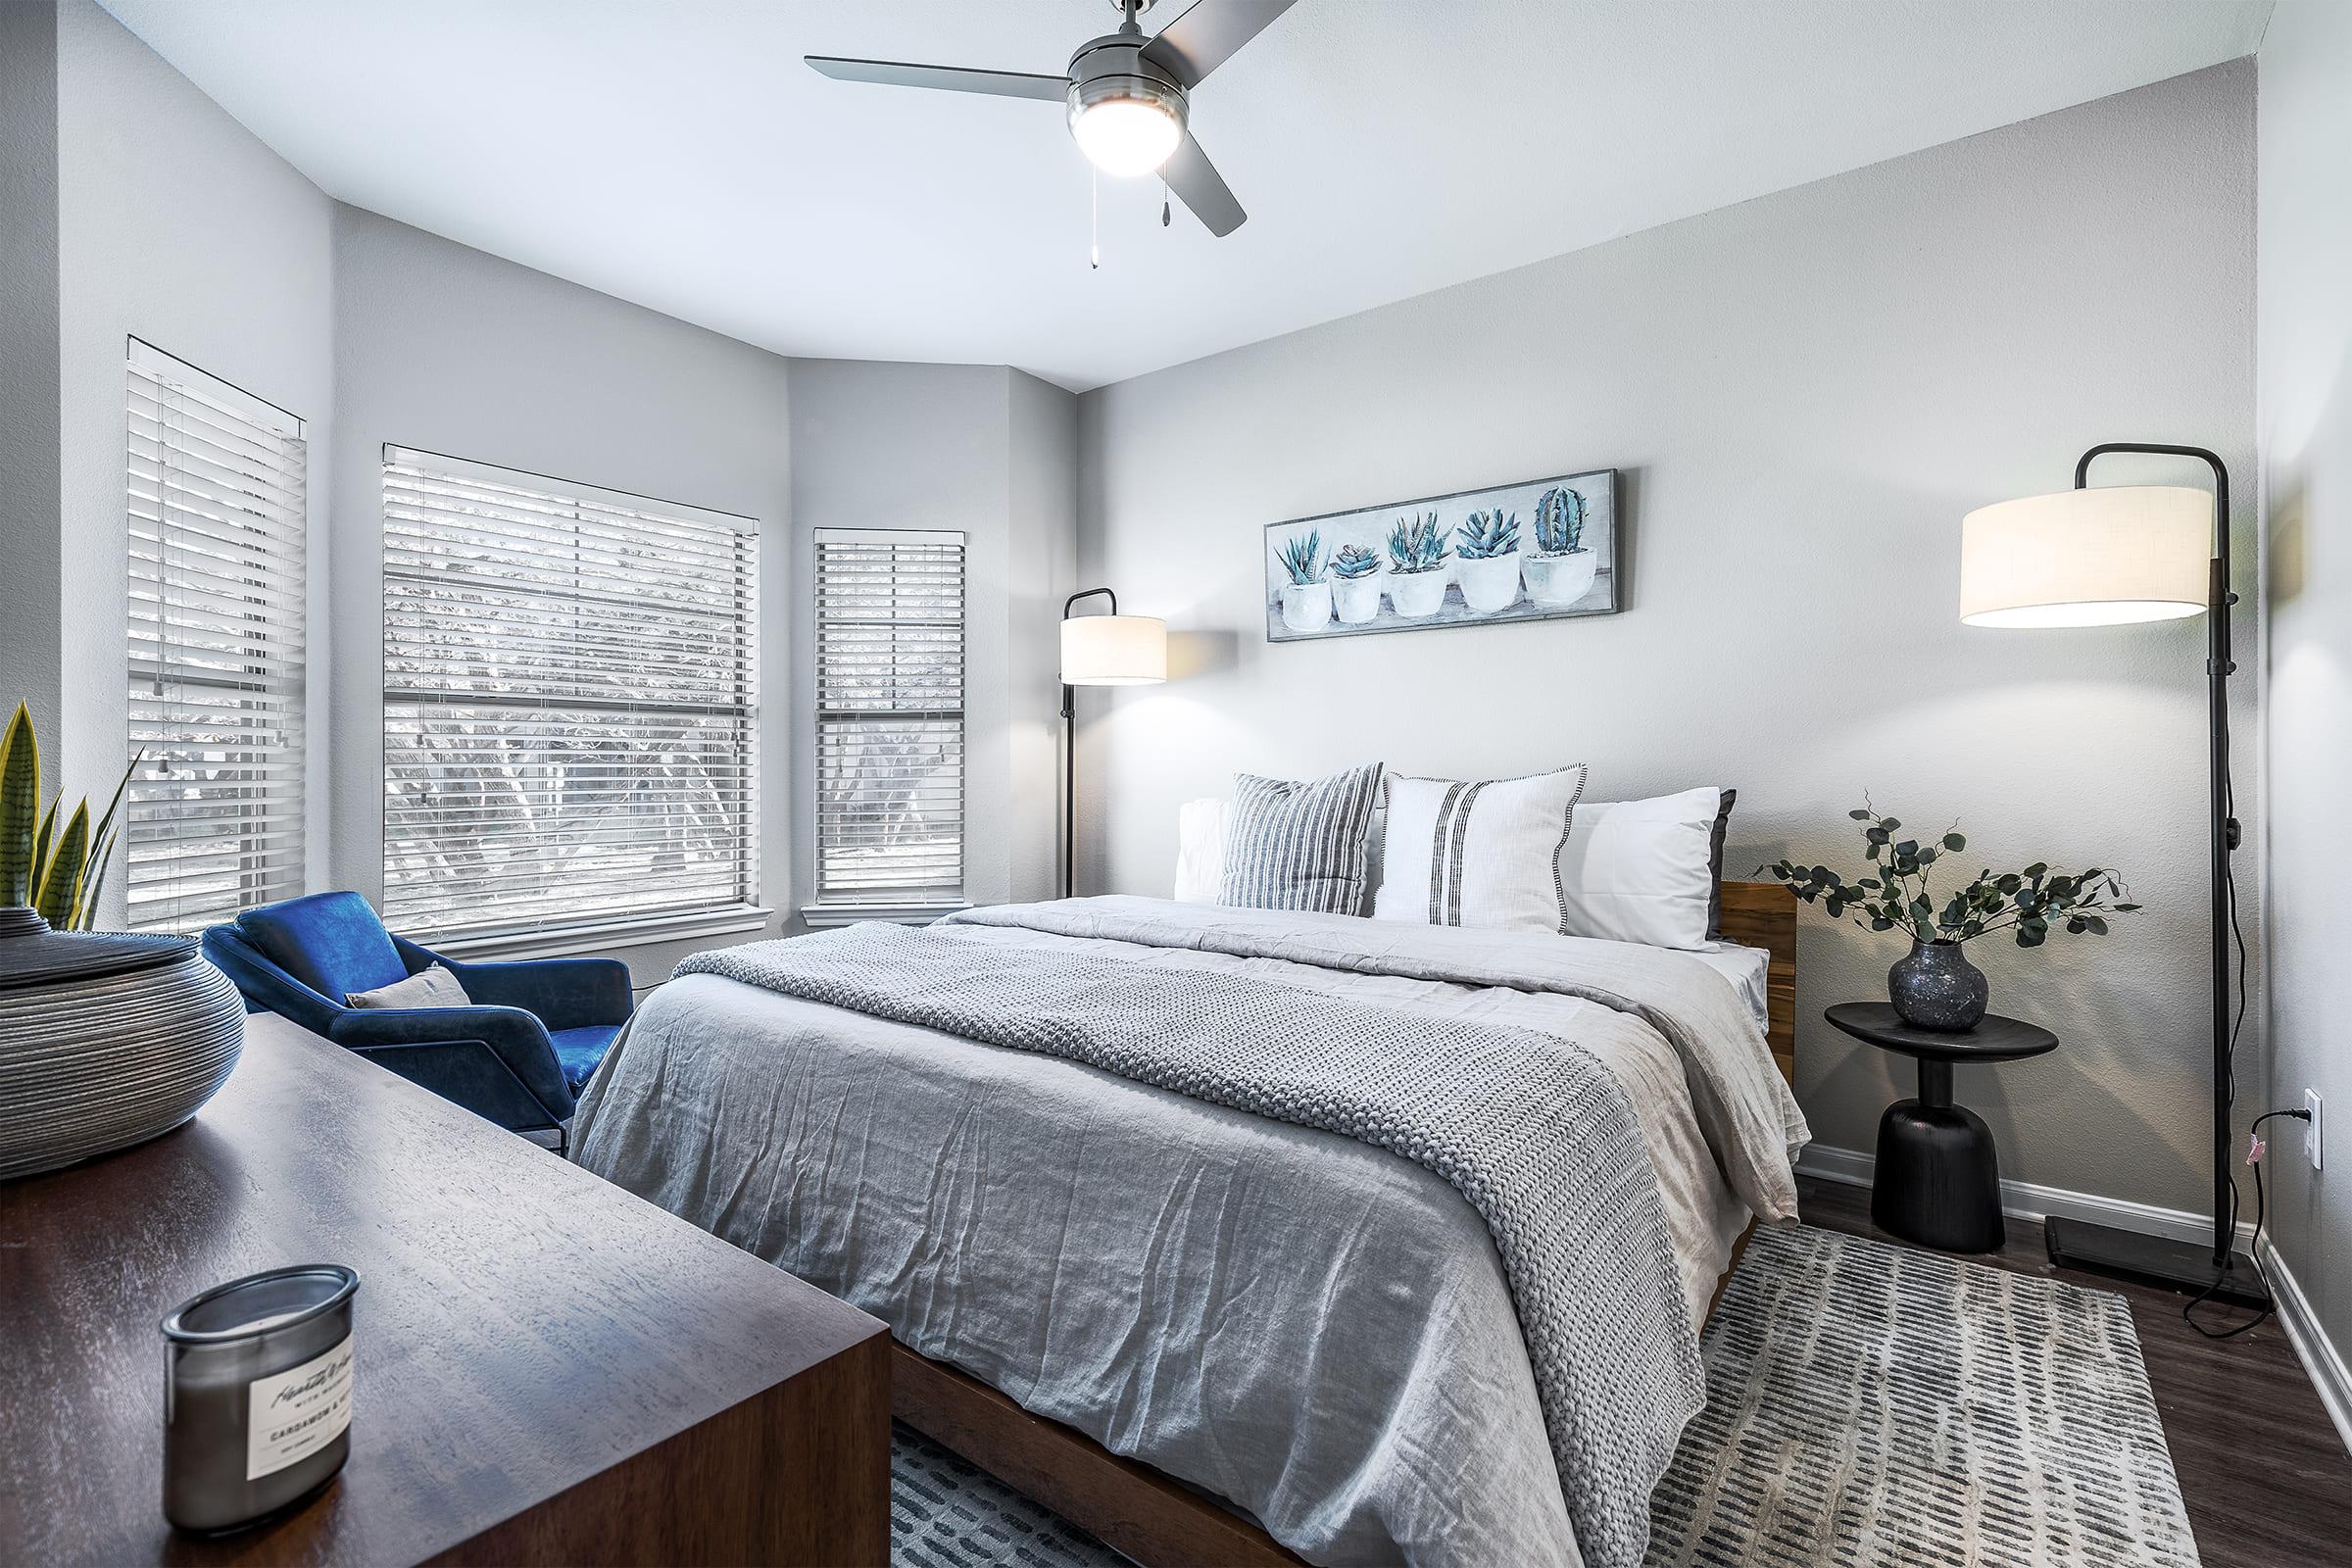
(2255, 1150)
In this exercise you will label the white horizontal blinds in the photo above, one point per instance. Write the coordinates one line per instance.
(889, 717)
(568, 703)
(211, 821)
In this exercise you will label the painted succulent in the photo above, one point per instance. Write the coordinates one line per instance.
(1488, 535)
(1560, 521)
(57, 872)
(1418, 545)
(1897, 897)
(1354, 561)
(1302, 557)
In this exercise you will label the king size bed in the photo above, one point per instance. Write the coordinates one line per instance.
(1233, 1234)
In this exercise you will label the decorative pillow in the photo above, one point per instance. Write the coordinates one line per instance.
(1642, 870)
(1481, 854)
(430, 986)
(1299, 846)
(1200, 849)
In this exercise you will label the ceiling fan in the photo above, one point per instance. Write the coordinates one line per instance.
(1126, 94)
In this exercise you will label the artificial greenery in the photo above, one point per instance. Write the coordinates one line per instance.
(58, 873)
(1488, 535)
(1418, 545)
(1560, 521)
(1899, 897)
(1354, 561)
(1302, 557)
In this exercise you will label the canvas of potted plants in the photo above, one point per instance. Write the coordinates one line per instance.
(1560, 569)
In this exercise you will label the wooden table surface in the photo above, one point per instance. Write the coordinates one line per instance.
(522, 1329)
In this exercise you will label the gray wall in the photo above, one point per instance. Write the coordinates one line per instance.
(1803, 393)
(2305, 400)
(991, 452)
(30, 637)
(447, 349)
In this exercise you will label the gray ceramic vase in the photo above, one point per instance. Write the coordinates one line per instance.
(1936, 986)
(107, 1039)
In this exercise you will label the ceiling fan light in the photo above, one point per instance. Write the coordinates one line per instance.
(1126, 136)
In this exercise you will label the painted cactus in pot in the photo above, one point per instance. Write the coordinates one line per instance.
(1307, 596)
(1560, 569)
(1489, 557)
(1417, 551)
(1355, 584)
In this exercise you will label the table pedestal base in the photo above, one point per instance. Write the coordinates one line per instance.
(1938, 1181)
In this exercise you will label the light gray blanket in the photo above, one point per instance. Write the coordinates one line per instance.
(869, 1156)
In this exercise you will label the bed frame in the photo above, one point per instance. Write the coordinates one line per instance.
(1153, 1518)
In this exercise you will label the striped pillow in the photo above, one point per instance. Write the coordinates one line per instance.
(1299, 846)
(1482, 855)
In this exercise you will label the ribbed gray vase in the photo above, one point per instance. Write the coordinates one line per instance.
(107, 1039)
(1936, 986)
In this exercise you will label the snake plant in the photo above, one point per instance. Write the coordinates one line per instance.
(1418, 545)
(1354, 561)
(58, 873)
(1302, 557)
(1560, 521)
(1488, 535)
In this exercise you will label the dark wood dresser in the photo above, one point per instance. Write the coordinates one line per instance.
(547, 1368)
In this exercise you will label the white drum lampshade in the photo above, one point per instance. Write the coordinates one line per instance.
(2102, 557)
(1114, 651)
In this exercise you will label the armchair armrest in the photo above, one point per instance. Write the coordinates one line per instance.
(516, 1037)
(565, 993)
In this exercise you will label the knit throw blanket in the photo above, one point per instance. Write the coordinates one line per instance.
(1533, 1132)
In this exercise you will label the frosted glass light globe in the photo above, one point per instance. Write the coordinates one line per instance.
(1126, 136)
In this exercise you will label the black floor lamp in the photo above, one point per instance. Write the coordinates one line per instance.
(1108, 649)
(2103, 557)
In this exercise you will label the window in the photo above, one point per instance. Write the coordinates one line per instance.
(212, 821)
(568, 704)
(889, 717)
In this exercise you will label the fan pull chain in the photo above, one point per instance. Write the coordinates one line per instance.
(1094, 219)
(1163, 204)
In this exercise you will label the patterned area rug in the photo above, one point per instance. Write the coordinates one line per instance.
(1872, 1406)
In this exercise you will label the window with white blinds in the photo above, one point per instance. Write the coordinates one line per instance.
(568, 703)
(889, 717)
(212, 821)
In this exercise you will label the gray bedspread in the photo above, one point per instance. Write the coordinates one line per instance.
(1297, 1321)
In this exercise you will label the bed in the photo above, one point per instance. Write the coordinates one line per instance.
(1214, 1334)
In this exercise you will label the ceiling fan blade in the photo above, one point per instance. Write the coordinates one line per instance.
(1209, 34)
(947, 78)
(1198, 184)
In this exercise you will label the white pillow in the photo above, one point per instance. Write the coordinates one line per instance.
(1481, 854)
(1642, 870)
(430, 986)
(1200, 849)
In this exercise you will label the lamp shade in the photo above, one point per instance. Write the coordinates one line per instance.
(2087, 557)
(1114, 651)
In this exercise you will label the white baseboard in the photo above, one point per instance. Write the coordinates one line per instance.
(2029, 1200)
(2328, 1372)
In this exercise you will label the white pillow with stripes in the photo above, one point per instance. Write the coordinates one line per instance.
(1483, 854)
(1298, 844)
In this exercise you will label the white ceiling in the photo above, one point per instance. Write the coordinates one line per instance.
(677, 152)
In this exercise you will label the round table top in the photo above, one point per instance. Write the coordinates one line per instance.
(1994, 1038)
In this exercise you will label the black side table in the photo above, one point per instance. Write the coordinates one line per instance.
(1938, 1182)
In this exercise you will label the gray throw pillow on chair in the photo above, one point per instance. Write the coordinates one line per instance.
(430, 986)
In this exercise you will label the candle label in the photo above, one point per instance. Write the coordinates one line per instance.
(297, 1412)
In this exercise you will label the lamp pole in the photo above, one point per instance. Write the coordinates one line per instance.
(2080, 1244)
(1070, 754)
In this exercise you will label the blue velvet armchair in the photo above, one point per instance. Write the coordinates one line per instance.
(517, 1056)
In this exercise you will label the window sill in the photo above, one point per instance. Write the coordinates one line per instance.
(565, 941)
(823, 917)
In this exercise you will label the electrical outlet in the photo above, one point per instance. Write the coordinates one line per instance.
(2312, 1143)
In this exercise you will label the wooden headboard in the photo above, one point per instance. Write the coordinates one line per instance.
(1763, 914)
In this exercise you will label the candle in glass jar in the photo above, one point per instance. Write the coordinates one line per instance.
(257, 1394)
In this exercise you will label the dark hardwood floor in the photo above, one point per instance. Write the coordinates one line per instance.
(2266, 1481)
